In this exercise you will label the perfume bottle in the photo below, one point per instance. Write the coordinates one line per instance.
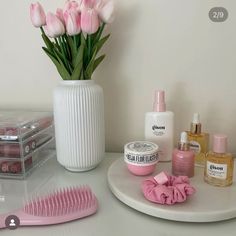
(198, 141)
(159, 126)
(219, 164)
(183, 158)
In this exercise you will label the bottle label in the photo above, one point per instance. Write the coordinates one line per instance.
(218, 171)
(195, 147)
(158, 130)
(141, 160)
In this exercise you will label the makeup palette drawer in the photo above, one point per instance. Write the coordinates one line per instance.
(20, 168)
(25, 141)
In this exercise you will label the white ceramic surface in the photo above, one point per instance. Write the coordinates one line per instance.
(79, 124)
(209, 203)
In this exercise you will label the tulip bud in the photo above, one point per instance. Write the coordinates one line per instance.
(37, 15)
(89, 21)
(59, 14)
(72, 21)
(54, 27)
(105, 9)
(88, 3)
(71, 5)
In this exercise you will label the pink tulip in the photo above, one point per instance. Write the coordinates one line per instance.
(72, 21)
(37, 15)
(54, 27)
(89, 21)
(71, 5)
(105, 9)
(59, 14)
(89, 3)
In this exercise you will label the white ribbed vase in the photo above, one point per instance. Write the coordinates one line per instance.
(79, 124)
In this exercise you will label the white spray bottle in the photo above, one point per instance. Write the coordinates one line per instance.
(159, 126)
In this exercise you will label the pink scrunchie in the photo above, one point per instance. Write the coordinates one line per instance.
(167, 189)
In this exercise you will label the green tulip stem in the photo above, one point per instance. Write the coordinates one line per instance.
(56, 41)
(100, 31)
(63, 49)
(89, 47)
(42, 30)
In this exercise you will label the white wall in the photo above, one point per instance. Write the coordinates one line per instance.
(165, 44)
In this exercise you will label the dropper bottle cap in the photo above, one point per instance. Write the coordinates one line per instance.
(196, 126)
(183, 143)
(159, 101)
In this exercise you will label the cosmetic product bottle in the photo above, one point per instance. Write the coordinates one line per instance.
(159, 126)
(219, 164)
(141, 157)
(198, 141)
(183, 158)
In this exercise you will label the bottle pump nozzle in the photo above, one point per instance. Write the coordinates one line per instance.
(196, 118)
(159, 101)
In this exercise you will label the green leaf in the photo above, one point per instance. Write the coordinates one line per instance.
(86, 56)
(99, 33)
(58, 54)
(73, 48)
(79, 56)
(97, 62)
(82, 38)
(79, 63)
(100, 43)
(48, 42)
(77, 71)
(61, 69)
(89, 69)
(62, 61)
(81, 75)
(47, 51)
(67, 47)
(60, 57)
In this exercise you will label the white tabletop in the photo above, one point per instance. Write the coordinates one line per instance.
(113, 217)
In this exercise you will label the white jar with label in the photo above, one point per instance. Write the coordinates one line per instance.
(141, 157)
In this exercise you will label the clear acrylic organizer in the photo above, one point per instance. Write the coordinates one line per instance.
(25, 142)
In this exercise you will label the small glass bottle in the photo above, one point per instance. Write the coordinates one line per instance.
(183, 158)
(219, 164)
(198, 141)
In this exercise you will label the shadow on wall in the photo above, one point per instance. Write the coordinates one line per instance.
(180, 103)
(113, 80)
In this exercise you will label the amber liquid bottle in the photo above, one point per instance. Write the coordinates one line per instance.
(198, 141)
(219, 164)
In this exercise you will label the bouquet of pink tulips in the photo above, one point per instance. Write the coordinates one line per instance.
(73, 36)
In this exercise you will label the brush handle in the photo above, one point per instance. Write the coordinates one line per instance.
(2, 221)
(26, 219)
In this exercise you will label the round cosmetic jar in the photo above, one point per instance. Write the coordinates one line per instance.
(141, 157)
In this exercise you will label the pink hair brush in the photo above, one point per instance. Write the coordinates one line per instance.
(61, 206)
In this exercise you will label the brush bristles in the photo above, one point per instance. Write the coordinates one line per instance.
(61, 202)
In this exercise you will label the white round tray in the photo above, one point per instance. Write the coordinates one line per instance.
(208, 204)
